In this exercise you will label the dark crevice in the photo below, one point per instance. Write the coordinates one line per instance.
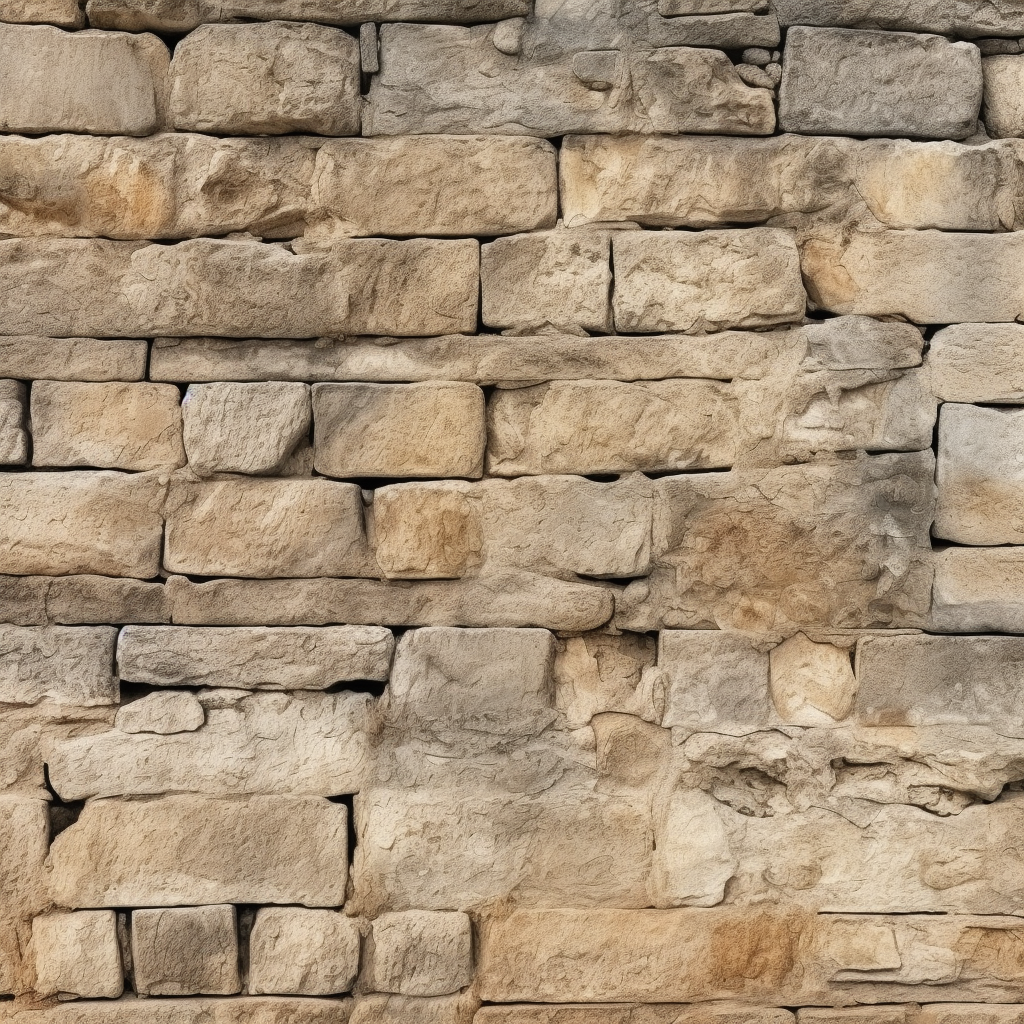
(62, 813)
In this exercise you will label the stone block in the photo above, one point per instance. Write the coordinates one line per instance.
(106, 425)
(254, 658)
(23, 600)
(1003, 109)
(434, 185)
(120, 81)
(62, 13)
(72, 359)
(706, 281)
(216, 1010)
(13, 437)
(978, 363)
(24, 843)
(646, 1013)
(71, 665)
(305, 952)
(77, 954)
(557, 277)
(391, 1009)
(838, 81)
(185, 951)
(969, 18)
(433, 429)
(244, 428)
(192, 851)
(421, 953)
(266, 78)
(79, 600)
(812, 684)
(161, 713)
(247, 527)
(978, 590)
(419, 287)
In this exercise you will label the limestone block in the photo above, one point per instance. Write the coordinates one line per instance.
(254, 658)
(554, 277)
(969, 1013)
(391, 1009)
(77, 955)
(1004, 107)
(79, 600)
(434, 185)
(305, 952)
(13, 438)
(244, 428)
(709, 280)
(853, 1015)
(23, 600)
(62, 13)
(611, 427)
(266, 79)
(979, 590)
(838, 81)
(161, 713)
(812, 684)
(72, 359)
(421, 953)
(71, 665)
(646, 1013)
(240, 1010)
(230, 288)
(969, 18)
(978, 363)
(310, 744)
(185, 951)
(193, 850)
(107, 425)
(120, 81)
(237, 526)
(24, 842)
(433, 429)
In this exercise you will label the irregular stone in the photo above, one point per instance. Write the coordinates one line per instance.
(630, 751)
(708, 280)
(161, 713)
(266, 79)
(977, 363)
(79, 600)
(238, 288)
(77, 955)
(645, 1013)
(978, 590)
(837, 81)
(72, 665)
(811, 684)
(13, 437)
(24, 842)
(391, 1009)
(1003, 109)
(254, 658)
(968, 18)
(120, 81)
(193, 850)
(72, 359)
(107, 426)
(244, 428)
(421, 953)
(62, 13)
(433, 429)
(240, 1010)
(429, 185)
(306, 952)
(556, 277)
(246, 527)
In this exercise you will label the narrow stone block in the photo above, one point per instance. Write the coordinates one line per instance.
(71, 665)
(13, 437)
(162, 714)
(215, 1010)
(305, 952)
(419, 953)
(86, 359)
(77, 955)
(1003, 109)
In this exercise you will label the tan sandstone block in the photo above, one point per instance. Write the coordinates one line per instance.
(71, 665)
(163, 714)
(241, 1010)
(811, 683)
(392, 1009)
(971, 1013)
(62, 13)
(24, 843)
(13, 436)
(1003, 109)
(979, 590)
(421, 953)
(645, 1013)
(77, 954)
(87, 359)
(185, 951)
(978, 363)
(79, 600)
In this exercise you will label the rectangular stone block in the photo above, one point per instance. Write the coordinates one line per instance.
(192, 850)
(77, 955)
(1003, 109)
(392, 1009)
(646, 1013)
(978, 590)
(421, 953)
(241, 1010)
(78, 600)
(238, 289)
(72, 359)
(66, 664)
(120, 81)
(24, 842)
(968, 18)
(239, 526)
(706, 281)
(837, 81)
(62, 13)
(13, 436)
(978, 363)
(102, 523)
(185, 951)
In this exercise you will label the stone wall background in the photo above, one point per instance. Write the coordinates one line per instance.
(511, 512)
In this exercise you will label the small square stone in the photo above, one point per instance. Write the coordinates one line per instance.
(301, 952)
(77, 954)
(421, 953)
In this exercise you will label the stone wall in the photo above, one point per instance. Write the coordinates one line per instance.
(512, 512)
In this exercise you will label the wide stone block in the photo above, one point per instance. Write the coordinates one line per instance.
(161, 714)
(120, 81)
(978, 590)
(71, 665)
(238, 526)
(79, 600)
(185, 951)
(77, 955)
(837, 81)
(709, 280)
(266, 79)
(421, 953)
(192, 851)
(86, 359)
(968, 18)
(13, 436)
(106, 426)
(59, 524)
(391, 1009)
(646, 1013)
(978, 363)
(1003, 110)
(62, 13)
(241, 1010)
(238, 289)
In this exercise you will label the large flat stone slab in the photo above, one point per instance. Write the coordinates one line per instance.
(203, 1010)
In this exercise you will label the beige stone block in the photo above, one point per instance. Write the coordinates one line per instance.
(161, 713)
(812, 684)
(72, 359)
(1003, 109)
(392, 1009)
(77, 955)
(855, 1015)
(72, 665)
(644, 1013)
(434, 429)
(241, 1010)
(971, 19)
(185, 951)
(23, 600)
(80, 600)
(24, 844)
(106, 426)
(244, 428)
(978, 363)
(192, 850)
(629, 751)
(266, 79)
(447, 185)
(709, 280)
(120, 81)
(421, 953)
(554, 277)
(13, 437)
(979, 590)
(971, 1013)
(306, 952)
(62, 13)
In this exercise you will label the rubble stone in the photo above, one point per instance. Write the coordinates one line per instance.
(77, 955)
(420, 953)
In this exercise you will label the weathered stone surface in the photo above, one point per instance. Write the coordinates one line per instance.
(120, 81)
(79, 600)
(421, 953)
(191, 850)
(241, 1010)
(391, 1009)
(62, 13)
(707, 280)
(24, 842)
(837, 81)
(978, 363)
(812, 684)
(244, 428)
(305, 952)
(968, 18)
(238, 288)
(647, 1013)
(72, 665)
(13, 438)
(254, 658)
(185, 951)
(161, 713)
(72, 359)
(107, 426)
(266, 79)
(77, 955)
(1003, 110)
(979, 590)
(446, 185)
(244, 527)
(434, 429)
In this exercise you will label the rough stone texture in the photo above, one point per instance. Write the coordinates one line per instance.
(62, 13)
(242, 1010)
(77, 955)
(13, 438)
(390, 1009)
(72, 665)
(73, 359)
(24, 842)
(970, 18)
(978, 363)
(161, 713)
(1004, 109)
(419, 953)
(979, 590)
